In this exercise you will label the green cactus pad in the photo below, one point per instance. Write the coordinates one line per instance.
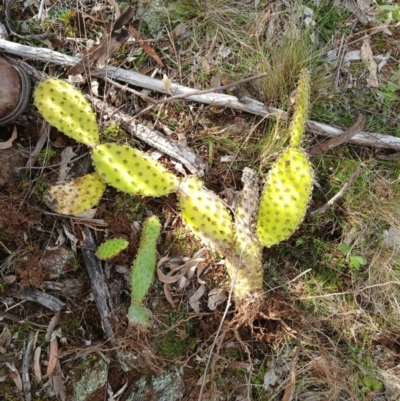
(76, 196)
(111, 248)
(132, 171)
(65, 107)
(298, 123)
(285, 197)
(138, 315)
(206, 215)
(145, 262)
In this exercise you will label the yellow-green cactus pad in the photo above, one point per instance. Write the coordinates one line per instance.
(145, 262)
(132, 171)
(111, 248)
(76, 196)
(65, 107)
(285, 197)
(206, 215)
(298, 123)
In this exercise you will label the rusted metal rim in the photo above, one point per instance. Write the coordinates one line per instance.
(24, 96)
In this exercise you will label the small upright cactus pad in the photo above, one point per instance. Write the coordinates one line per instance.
(132, 171)
(206, 215)
(298, 123)
(143, 272)
(76, 196)
(65, 107)
(110, 248)
(285, 197)
(145, 262)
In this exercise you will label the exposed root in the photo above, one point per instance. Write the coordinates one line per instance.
(260, 318)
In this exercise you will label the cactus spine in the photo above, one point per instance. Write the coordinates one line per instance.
(110, 248)
(288, 185)
(143, 272)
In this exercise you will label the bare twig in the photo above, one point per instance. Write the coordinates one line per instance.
(289, 391)
(212, 90)
(44, 134)
(26, 364)
(391, 157)
(56, 165)
(341, 193)
(344, 137)
(354, 293)
(35, 295)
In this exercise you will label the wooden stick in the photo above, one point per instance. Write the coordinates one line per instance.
(98, 283)
(341, 193)
(26, 365)
(251, 106)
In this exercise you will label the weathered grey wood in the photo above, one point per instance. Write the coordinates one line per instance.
(251, 106)
(26, 364)
(35, 295)
(98, 283)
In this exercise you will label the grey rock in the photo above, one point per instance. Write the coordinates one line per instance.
(87, 382)
(163, 386)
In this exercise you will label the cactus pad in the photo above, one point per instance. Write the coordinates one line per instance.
(132, 171)
(65, 107)
(145, 262)
(285, 197)
(76, 196)
(143, 272)
(111, 248)
(206, 215)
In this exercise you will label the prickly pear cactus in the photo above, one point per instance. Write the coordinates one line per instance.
(206, 215)
(110, 248)
(288, 186)
(65, 107)
(75, 196)
(143, 272)
(132, 171)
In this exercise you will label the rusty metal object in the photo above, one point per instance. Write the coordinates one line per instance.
(15, 90)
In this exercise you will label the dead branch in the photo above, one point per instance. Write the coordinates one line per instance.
(26, 363)
(341, 193)
(251, 106)
(35, 295)
(98, 283)
(323, 147)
